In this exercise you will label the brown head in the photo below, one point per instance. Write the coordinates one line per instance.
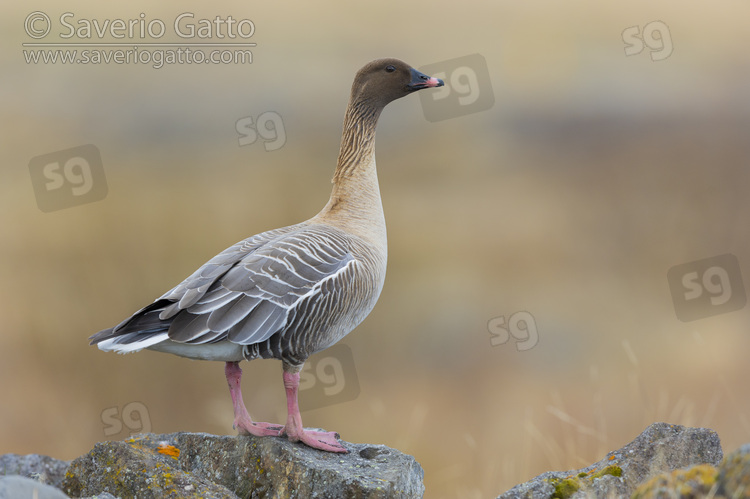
(375, 85)
(384, 80)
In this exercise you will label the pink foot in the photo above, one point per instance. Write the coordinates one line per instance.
(323, 440)
(295, 432)
(242, 422)
(249, 427)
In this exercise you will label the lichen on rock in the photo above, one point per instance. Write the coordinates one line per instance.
(201, 465)
(730, 480)
(661, 447)
(209, 466)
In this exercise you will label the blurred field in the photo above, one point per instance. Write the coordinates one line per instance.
(593, 174)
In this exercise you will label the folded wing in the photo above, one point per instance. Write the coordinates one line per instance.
(245, 294)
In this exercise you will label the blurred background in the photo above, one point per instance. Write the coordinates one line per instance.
(528, 322)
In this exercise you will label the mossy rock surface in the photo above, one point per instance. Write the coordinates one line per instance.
(734, 474)
(730, 480)
(696, 481)
(209, 466)
(661, 447)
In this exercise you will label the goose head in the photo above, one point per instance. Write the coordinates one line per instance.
(385, 80)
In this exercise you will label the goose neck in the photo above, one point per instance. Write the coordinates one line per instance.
(357, 140)
(355, 203)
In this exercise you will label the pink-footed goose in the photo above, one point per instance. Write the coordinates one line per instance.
(291, 292)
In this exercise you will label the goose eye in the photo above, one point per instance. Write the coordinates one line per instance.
(390, 69)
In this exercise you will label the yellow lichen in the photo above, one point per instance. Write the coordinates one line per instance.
(168, 450)
(612, 469)
(691, 482)
(565, 488)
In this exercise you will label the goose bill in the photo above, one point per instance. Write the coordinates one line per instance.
(421, 80)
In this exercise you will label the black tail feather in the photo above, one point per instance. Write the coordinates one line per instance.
(143, 323)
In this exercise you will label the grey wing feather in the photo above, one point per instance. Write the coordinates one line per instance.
(194, 288)
(254, 296)
(159, 316)
(275, 280)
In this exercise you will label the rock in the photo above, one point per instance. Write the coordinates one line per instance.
(734, 474)
(674, 461)
(44, 469)
(661, 447)
(731, 480)
(694, 482)
(21, 487)
(201, 465)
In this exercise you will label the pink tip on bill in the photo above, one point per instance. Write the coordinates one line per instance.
(433, 82)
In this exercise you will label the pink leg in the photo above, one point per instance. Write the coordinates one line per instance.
(242, 422)
(295, 432)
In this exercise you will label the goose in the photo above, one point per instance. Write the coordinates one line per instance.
(290, 292)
